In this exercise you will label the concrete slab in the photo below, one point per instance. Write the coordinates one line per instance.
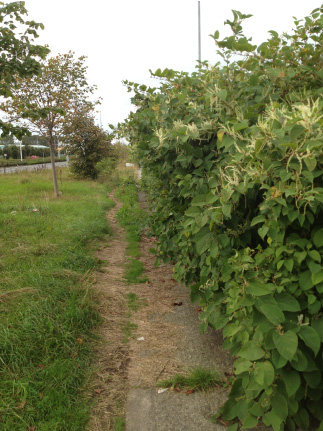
(170, 411)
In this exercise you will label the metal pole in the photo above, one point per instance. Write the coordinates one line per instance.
(199, 29)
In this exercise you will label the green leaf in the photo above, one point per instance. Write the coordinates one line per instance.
(214, 250)
(193, 212)
(287, 302)
(258, 219)
(257, 288)
(199, 201)
(251, 351)
(305, 280)
(315, 255)
(317, 278)
(286, 344)
(271, 419)
(233, 427)
(278, 360)
(240, 126)
(291, 380)
(311, 163)
(222, 94)
(264, 373)
(242, 365)
(300, 256)
(226, 209)
(314, 267)
(203, 242)
(311, 338)
(296, 131)
(263, 231)
(289, 264)
(249, 422)
(313, 378)
(318, 238)
(274, 314)
(279, 406)
(300, 363)
(318, 326)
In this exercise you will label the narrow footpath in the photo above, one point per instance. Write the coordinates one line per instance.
(166, 341)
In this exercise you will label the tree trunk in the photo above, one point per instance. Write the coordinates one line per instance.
(52, 159)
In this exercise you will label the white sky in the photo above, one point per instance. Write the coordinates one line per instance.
(124, 39)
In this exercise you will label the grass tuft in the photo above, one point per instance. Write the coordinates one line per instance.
(197, 379)
(134, 302)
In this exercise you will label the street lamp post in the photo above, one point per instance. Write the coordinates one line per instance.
(199, 30)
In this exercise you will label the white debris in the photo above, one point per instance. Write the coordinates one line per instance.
(162, 390)
(140, 339)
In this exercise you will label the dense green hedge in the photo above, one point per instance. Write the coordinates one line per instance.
(14, 162)
(233, 156)
(13, 151)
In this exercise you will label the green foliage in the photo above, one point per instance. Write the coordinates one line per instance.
(20, 57)
(234, 152)
(89, 145)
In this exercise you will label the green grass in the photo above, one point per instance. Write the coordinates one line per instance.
(133, 219)
(134, 302)
(46, 309)
(119, 423)
(197, 379)
(127, 331)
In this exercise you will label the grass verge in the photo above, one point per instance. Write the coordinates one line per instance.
(197, 379)
(46, 310)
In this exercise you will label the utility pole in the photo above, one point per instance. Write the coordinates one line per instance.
(199, 29)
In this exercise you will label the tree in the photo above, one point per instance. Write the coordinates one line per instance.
(46, 101)
(88, 143)
(19, 55)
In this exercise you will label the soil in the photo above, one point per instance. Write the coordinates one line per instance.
(167, 341)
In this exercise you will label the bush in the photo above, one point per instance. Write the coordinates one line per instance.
(235, 153)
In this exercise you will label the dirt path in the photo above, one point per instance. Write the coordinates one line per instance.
(167, 341)
(110, 384)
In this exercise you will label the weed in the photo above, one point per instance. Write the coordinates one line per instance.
(197, 379)
(134, 269)
(134, 302)
(119, 423)
(127, 331)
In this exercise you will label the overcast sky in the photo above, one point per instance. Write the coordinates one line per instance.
(124, 39)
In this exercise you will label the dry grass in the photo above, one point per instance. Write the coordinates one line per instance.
(4, 296)
(120, 365)
(109, 384)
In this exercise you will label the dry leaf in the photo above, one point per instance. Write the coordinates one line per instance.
(79, 340)
(21, 405)
(178, 303)
(177, 389)
(98, 391)
(189, 391)
(225, 423)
